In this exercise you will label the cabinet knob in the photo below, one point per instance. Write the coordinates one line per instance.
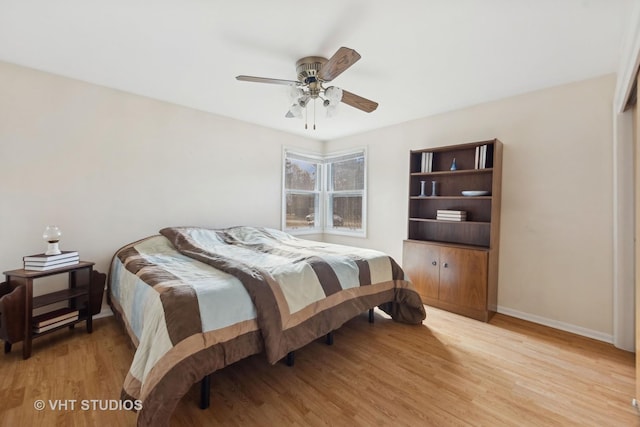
(446, 264)
(433, 263)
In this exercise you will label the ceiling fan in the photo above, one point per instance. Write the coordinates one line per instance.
(313, 72)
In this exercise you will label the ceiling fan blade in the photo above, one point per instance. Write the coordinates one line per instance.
(358, 102)
(266, 80)
(340, 61)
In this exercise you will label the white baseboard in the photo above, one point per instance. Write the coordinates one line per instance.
(568, 327)
(105, 312)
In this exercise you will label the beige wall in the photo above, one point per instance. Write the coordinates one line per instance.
(109, 167)
(556, 231)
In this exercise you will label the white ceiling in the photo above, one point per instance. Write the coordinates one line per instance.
(419, 57)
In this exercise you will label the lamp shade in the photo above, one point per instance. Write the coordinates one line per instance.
(52, 236)
(333, 94)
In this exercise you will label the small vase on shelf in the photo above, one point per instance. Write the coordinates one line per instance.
(453, 165)
(433, 188)
(422, 184)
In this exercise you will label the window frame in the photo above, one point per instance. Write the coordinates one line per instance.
(326, 193)
(310, 157)
(329, 192)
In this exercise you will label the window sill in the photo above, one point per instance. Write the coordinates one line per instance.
(302, 231)
(320, 232)
(338, 232)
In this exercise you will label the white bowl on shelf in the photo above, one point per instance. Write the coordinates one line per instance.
(475, 193)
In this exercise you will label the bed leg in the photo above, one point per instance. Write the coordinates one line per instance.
(7, 347)
(290, 358)
(205, 392)
(329, 340)
(371, 315)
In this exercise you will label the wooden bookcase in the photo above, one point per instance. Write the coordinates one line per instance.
(454, 264)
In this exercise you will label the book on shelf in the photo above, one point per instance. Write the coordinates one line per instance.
(48, 258)
(57, 316)
(427, 160)
(463, 215)
(450, 212)
(39, 329)
(481, 156)
(29, 266)
(477, 160)
(451, 215)
(450, 218)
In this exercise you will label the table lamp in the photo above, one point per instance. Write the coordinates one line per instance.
(52, 236)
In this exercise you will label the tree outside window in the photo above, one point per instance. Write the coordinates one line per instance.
(302, 193)
(345, 191)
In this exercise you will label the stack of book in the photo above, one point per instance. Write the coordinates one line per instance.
(42, 262)
(427, 161)
(56, 318)
(451, 215)
(483, 156)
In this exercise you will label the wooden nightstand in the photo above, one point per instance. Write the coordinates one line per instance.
(78, 294)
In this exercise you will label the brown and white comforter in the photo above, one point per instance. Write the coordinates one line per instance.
(195, 300)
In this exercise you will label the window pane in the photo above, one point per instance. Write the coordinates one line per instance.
(347, 212)
(300, 174)
(301, 209)
(348, 174)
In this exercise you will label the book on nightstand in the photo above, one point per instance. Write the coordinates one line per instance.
(36, 267)
(57, 316)
(39, 329)
(42, 262)
(47, 258)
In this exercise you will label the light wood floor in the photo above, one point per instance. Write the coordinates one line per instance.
(450, 371)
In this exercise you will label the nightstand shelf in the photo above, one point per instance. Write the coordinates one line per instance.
(63, 295)
(78, 294)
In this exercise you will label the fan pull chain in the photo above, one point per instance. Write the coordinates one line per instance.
(314, 114)
(305, 117)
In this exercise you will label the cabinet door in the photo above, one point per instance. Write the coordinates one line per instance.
(463, 277)
(421, 264)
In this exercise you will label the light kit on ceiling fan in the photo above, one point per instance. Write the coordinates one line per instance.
(313, 71)
(300, 99)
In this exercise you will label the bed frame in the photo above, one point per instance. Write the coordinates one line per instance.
(205, 383)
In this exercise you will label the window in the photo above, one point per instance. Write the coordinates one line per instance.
(325, 194)
(345, 192)
(301, 191)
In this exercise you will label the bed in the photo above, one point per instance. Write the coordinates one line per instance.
(194, 300)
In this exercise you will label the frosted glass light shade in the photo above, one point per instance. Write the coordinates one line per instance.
(333, 94)
(295, 92)
(52, 236)
(295, 111)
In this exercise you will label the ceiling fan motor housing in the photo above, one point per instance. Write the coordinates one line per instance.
(307, 69)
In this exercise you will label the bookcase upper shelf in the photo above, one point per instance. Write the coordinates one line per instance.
(450, 197)
(464, 158)
(454, 172)
(440, 221)
(434, 187)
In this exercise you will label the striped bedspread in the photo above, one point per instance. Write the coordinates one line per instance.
(195, 300)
